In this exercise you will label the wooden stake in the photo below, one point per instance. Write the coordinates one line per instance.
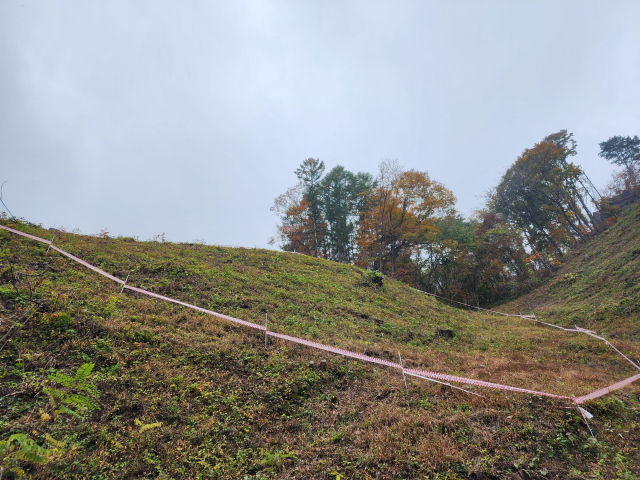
(583, 417)
(123, 285)
(50, 244)
(403, 375)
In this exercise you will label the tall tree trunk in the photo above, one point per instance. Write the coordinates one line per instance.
(315, 236)
(382, 236)
(632, 173)
(547, 236)
(393, 260)
(586, 209)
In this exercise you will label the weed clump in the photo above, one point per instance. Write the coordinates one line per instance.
(372, 278)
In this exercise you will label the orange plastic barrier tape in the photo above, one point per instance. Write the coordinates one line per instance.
(604, 391)
(203, 310)
(88, 265)
(38, 239)
(480, 383)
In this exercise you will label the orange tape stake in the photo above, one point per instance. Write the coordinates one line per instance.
(49, 248)
(124, 284)
(266, 319)
(403, 375)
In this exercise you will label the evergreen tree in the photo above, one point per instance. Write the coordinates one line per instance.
(309, 173)
(623, 151)
(342, 197)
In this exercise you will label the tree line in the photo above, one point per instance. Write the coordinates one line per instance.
(404, 224)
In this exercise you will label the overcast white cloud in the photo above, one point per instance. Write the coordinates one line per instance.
(190, 117)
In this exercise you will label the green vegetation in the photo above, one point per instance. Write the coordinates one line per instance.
(597, 285)
(403, 223)
(178, 394)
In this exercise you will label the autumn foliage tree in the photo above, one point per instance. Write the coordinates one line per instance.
(295, 232)
(403, 223)
(320, 215)
(540, 194)
(399, 217)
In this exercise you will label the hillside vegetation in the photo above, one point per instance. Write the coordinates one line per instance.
(598, 284)
(404, 223)
(180, 394)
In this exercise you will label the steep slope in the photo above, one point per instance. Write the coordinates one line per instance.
(232, 408)
(598, 285)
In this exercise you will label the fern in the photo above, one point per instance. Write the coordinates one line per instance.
(19, 447)
(83, 372)
(68, 398)
(149, 426)
(146, 426)
(76, 394)
(79, 382)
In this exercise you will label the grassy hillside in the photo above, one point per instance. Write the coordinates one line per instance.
(598, 286)
(231, 408)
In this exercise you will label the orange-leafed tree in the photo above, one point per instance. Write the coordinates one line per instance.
(544, 195)
(296, 231)
(399, 216)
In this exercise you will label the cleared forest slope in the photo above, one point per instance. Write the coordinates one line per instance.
(229, 407)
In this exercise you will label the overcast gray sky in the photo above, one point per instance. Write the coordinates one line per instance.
(189, 117)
